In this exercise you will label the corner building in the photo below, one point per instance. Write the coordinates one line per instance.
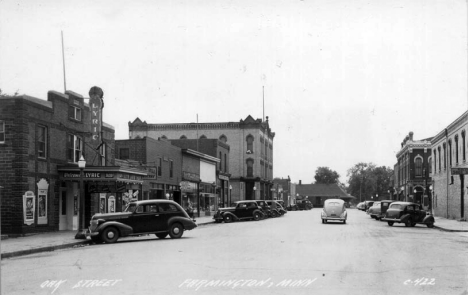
(250, 156)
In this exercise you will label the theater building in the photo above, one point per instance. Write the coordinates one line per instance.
(41, 142)
(250, 150)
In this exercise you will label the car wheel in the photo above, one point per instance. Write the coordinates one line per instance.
(408, 222)
(390, 223)
(96, 239)
(227, 218)
(218, 221)
(257, 216)
(176, 231)
(323, 221)
(344, 221)
(110, 235)
(430, 225)
(161, 235)
(413, 224)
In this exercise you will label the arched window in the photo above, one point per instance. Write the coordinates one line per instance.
(225, 163)
(249, 167)
(223, 138)
(435, 161)
(440, 160)
(450, 153)
(220, 161)
(456, 149)
(430, 164)
(418, 166)
(445, 156)
(464, 146)
(183, 137)
(164, 137)
(250, 141)
(203, 137)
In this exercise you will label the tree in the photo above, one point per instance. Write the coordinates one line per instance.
(366, 180)
(326, 175)
(3, 94)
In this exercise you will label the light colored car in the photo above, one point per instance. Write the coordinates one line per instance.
(374, 211)
(334, 209)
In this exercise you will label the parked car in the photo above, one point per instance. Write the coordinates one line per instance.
(267, 210)
(368, 204)
(334, 209)
(278, 207)
(384, 204)
(159, 217)
(304, 205)
(374, 210)
(408, 213)
(292, 207)
(361, 206)
(242, 210)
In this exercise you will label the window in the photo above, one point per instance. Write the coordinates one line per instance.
(250, 167)
(164, 137)
(220, 161)
(41, 142)
(418, 166)
(440, 161)
(203, 137)
(435, 160)
(450, 153)
(2, 132)
(445, 156)
(250, 140)
(223, 138)
(160, 167)
(464, 148)
(74, 147)
(166, 207)
(102, 153)
(225, 163)
(430, 165)
(456, 149)
(124, 154)
(183, 137)
(171, 168)
(75, 113)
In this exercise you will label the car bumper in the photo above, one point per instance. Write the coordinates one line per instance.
(391, 220)
(333, 218)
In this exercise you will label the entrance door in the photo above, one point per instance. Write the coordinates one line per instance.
(63, 209)
(68, 202)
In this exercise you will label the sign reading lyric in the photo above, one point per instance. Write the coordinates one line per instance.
(96, 105)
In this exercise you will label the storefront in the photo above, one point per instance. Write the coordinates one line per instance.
(106, 190)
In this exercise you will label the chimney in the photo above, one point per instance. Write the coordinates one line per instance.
(300, 182)
(411, 135)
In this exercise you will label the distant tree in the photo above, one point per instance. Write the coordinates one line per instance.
(3, 94)
(366, 180)
(326, 175)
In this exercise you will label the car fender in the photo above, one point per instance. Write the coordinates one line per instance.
(259, 211)
(234, 217)
(428, 219)
(188, 224)
(405, 217)
(124, 229)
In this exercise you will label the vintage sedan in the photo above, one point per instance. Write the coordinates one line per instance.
(277, 205)
(361, 206)
(334, 209)
(408, 213)
(374, 210)
(159, 217)
(242, 210)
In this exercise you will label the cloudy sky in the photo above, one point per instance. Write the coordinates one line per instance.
(345, 81)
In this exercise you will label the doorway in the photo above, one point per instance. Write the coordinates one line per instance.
(68, 207)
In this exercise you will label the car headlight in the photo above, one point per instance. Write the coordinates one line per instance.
(343, 215)
(324, 214)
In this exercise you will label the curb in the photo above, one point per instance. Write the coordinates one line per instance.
(451, 230)
(42, 249)
(205, 223)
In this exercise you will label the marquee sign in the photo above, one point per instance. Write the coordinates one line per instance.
(459, 171)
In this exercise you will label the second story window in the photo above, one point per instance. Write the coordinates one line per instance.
(450, 153)
(74, 148)
(124, 154)
(220, 161)
(2, 132)
(430, 165)
(75, 113)
(41, 142)
(456, 149)
(225, 163)
(159, 167)
(464, 148)
(418, 167)
(250, 141)
(445, 156)
(250, 167)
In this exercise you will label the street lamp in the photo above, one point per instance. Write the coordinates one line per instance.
(81, 234)
(254, 189)
(376, 196)
(230, 195)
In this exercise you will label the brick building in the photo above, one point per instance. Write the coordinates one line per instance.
(40, 144)
(449, 167)
(412, 173)
(250, 154)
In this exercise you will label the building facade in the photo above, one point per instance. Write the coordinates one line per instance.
(449, 167)
(250, 156)
(412, 173)
(41, 142)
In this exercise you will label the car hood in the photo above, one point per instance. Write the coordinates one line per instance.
(112, 216)
(227, 209)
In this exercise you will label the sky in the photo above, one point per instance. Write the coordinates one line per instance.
(344, 81)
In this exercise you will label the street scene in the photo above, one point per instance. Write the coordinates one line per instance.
(260, 147)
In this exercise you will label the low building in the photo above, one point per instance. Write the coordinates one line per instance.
(317, 193)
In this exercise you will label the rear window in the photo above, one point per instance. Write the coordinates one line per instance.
(334, 204)
(396, 206)
(166, 207)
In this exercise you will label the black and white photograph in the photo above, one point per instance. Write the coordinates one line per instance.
(233, 147)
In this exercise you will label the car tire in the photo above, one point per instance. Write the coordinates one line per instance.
(344, 221)
(110, 235)
(227, 218)
(430, 225)
(257, 216)
(162, 235)
(413, 224)
(176, 230)
(408, 222)
(323, 221)
(390, 223)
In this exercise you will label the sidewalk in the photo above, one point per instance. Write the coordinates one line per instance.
(450, 225)
(44, 242)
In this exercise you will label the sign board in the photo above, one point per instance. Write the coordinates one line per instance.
(96, 104)
(29, 202)
(459, 171)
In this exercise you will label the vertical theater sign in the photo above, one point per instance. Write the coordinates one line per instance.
(96, 105)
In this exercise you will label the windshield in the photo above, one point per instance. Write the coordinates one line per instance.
(396, 206)
(334, 204)
(130, 208)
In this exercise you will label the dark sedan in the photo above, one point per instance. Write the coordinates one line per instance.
(408, 213)
(159, 217)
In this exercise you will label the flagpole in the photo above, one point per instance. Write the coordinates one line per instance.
(63, 61)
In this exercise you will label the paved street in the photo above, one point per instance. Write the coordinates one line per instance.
(292, 254)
